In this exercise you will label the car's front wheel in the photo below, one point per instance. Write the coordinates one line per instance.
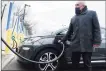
(44, 56)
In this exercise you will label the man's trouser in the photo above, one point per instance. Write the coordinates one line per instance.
(86, 59)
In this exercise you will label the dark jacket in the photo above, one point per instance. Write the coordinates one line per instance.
(84, 31)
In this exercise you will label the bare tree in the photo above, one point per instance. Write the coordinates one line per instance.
(28, 26)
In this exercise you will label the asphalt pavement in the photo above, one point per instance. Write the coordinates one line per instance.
(15, 65)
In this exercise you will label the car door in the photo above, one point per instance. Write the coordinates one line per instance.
(100, 52)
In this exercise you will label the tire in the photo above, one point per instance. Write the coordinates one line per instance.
(42, 56)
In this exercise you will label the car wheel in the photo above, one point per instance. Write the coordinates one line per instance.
(47, 55)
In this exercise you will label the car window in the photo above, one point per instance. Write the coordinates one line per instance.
(103, 33)
(103, 36)
(64, 31)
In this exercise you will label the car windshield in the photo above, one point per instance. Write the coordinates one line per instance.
(46, 33)
(62, 30)
(103, 32)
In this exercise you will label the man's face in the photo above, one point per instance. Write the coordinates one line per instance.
(79, 5)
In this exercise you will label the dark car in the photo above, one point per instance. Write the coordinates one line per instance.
(46, 48)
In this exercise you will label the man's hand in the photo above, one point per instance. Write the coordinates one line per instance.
(59, 41)
(96, 45)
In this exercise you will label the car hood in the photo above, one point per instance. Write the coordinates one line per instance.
(39, 40)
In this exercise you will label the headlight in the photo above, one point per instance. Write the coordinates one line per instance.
(25, 48)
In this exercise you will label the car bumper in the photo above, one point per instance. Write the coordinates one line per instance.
(26, 52)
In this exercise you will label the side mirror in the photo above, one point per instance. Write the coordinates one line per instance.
(60, 34)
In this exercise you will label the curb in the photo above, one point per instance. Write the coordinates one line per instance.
(6, 60)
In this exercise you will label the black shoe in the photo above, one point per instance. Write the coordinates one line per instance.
(89, 69)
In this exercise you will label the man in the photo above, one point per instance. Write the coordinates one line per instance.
(84, 31)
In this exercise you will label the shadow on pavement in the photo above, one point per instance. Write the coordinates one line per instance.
(31, 68)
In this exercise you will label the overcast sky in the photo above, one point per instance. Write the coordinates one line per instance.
(52, 15)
